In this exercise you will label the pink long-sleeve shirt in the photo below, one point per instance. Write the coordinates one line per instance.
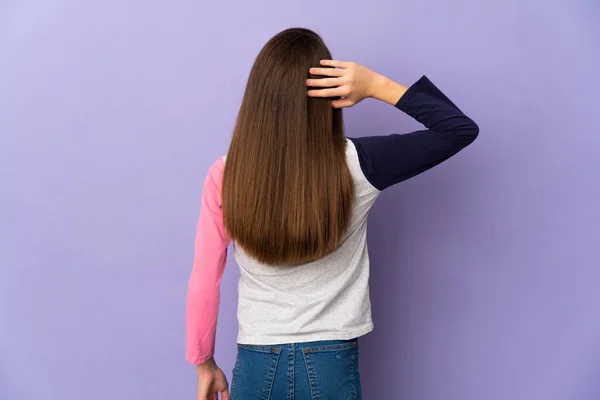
(210, 256)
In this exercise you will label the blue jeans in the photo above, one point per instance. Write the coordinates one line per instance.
(323, 370)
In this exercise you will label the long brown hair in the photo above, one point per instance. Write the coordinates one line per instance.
(287, 191)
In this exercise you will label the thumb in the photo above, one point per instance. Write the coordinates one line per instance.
(342, 103)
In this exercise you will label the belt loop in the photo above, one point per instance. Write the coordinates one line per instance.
(291, 355)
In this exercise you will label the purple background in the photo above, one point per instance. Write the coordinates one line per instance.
(485, 271)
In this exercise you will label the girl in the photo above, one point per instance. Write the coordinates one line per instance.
(292, 195)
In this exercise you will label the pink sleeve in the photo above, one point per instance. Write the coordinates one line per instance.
(210, 256)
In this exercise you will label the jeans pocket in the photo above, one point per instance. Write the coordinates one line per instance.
(254, 372)
(332, 371)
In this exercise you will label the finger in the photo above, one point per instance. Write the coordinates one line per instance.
(225, 395)
(326, 71)
(335, 63)
(214, 396)
(202, 395)
(333, 92)
(342, 103)
(324, 82)
(208, 396)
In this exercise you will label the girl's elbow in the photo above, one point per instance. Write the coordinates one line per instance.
(471, 131)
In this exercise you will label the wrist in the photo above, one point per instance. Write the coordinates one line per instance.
(377, 86)
(206, 365)
(387, 90)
